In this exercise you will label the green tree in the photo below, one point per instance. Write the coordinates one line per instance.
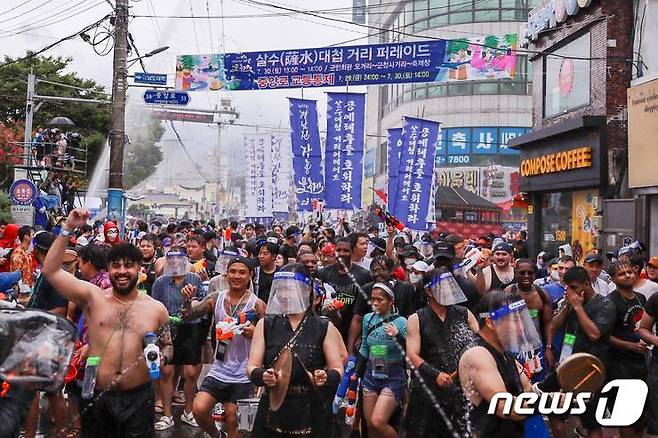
(142, 153)
(5, 207)
(92, 121)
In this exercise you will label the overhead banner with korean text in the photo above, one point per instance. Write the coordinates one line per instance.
(464, 59)
(417, 61)
(343, 159)
(416, 172)
(281, 172)
(259, 176)
(393, 154)
(307, 153)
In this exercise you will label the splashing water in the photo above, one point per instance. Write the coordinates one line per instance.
(99, 179)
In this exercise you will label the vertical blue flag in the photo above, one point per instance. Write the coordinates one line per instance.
(305, 138)
(393, 152)
(416, 171)
(343, 158)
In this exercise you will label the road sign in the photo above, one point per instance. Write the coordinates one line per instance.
(151, 78)
(167, 97)
(22, 215)
(23, 192)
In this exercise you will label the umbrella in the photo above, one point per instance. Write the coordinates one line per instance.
(61, 121)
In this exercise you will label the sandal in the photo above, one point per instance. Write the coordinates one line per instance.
(179, 398)
(73, 433)
(159, 408)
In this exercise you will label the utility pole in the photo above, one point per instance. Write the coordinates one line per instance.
(118, 129)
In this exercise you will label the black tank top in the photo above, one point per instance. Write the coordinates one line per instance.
(486, 425)
(496, 283)
(442, 342)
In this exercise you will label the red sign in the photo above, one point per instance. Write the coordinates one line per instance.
(179, 116)
(469, 230)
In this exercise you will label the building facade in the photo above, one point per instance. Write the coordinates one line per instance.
(483, 102)
(575, 156)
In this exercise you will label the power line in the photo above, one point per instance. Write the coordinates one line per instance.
(196, 35)
(182, 145)
(22, 13)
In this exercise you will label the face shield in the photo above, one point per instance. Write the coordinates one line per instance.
(175, 264)
(35, 347)
(223, 259)
(426, 249)
(515, 329)
(445, 290)
(297, 237)
(290, 294)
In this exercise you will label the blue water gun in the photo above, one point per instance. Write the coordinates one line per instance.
(341, 392)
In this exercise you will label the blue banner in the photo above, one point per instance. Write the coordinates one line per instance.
(307, 162)
(393, 154)
(417, 61)
(416, 172)
(343, 158)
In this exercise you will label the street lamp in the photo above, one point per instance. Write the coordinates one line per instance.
(148, 55)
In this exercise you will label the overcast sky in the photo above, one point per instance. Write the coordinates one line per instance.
(32, 24)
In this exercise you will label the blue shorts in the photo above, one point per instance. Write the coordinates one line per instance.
(396, 382)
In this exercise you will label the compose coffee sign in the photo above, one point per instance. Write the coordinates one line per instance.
(578, 158)
(552, 14)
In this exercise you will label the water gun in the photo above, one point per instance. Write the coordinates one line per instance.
(199, 266)
(352, 391)
(243, 317)
(175, 320)
(390, 219)
(141, 276)
(329, 300)
(225, 330)
(344, 383)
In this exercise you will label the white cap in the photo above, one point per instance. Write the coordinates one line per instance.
(420, 266)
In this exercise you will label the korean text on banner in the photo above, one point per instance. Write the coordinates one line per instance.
(416, 172)
(307, 162)
(393, 153)
(259, 176)
(343, 159)
(281, 173)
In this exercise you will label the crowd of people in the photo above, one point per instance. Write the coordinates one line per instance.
(321, 331)
(55, 148)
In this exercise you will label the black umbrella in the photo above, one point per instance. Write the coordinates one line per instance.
(61, 121)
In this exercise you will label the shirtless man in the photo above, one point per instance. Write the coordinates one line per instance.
(117, 321)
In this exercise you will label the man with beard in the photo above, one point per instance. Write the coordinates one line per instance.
(118, 320)
(147, 248)
(445, 257)
(436, 335)
(339, 276)
(404, 298)
(500, 274)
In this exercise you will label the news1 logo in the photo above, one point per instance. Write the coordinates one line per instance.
(627, 408)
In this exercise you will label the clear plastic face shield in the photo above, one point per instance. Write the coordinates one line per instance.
(515, 329)
(426, 249)
(290, 294)
(223, 259)
(445, 290)
(176, 264)
(297, 237)
(35, 347)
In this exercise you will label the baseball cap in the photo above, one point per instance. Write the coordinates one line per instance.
(420, 266)
(503, 246)
(378, 243)
(444, 249)
(408, 250)
(292, 230)
(653, 261)
(597, 258)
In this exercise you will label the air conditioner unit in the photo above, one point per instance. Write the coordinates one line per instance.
(597, 222)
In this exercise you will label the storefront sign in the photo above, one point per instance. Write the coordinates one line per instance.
(462, 146)
(497, 186)
(558, 162)
(552, 14)
(642, 122)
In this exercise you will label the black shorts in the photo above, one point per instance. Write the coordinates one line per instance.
(187, 341)
(226, 392)
(120, 414)
(651, 408)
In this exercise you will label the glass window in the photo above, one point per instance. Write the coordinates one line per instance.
(485, 88)
(459, 89)
(420, 91)
(487, 15)
(438, 13)
(567, 79)
(512, 87)
(556, 211)
(437, 90)
(420, 15)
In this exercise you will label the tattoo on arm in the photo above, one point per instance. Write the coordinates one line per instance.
(197, 309)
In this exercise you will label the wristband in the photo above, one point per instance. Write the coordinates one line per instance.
(257, 376)
(66, 233)
(333, 378)
(428, 372)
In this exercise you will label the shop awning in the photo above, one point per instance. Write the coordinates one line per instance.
(462, 199)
